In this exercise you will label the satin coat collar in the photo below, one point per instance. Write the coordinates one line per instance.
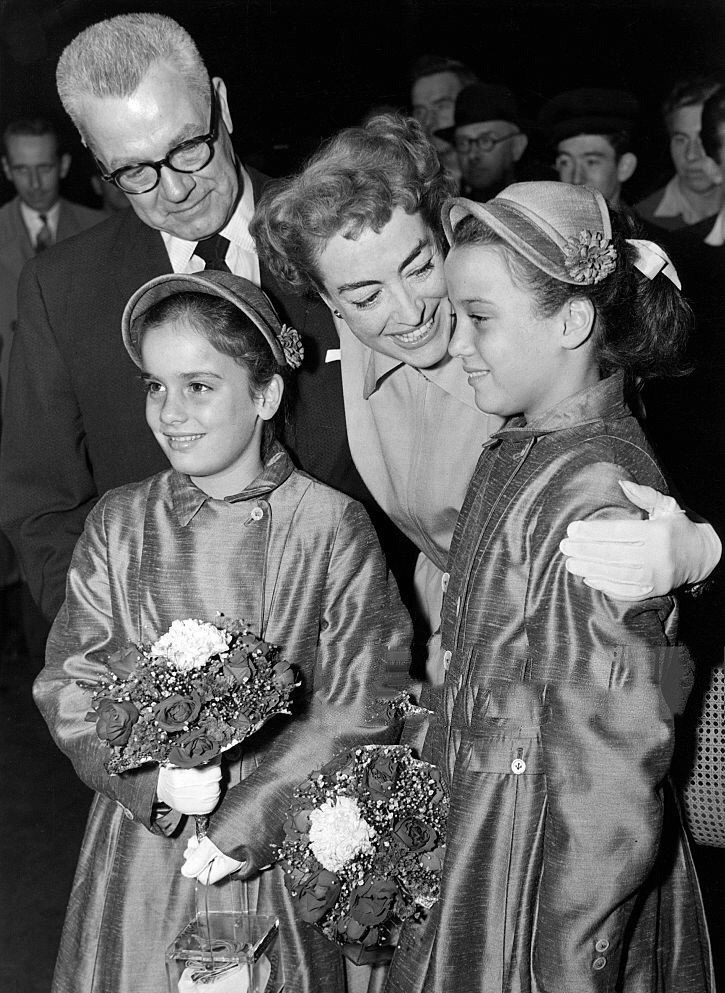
(187, 498)
(602, 401)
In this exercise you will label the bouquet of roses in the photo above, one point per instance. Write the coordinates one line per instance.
(199, 690)
(364, 845)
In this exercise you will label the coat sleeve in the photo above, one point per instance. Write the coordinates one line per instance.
(607, 743)
(82, 633)
(47, 487)
(362, 624)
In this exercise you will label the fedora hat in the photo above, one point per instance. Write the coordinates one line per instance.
(588, 111)
(482, 102)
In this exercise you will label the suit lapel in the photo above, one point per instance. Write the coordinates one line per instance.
(21, 236)
(66, 227)
(138, 254)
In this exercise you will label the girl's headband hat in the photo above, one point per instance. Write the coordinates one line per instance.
(283, 340)
(563, 230)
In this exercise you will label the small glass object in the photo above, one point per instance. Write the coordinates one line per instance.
(229, 950)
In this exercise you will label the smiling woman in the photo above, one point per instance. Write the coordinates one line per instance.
(396, 305)
(361, 226)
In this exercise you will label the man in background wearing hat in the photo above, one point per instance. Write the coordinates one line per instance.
(487, 138)
(591, 131)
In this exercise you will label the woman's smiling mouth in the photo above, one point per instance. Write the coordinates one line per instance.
(418, 335)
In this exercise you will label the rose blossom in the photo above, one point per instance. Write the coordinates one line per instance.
(317, 893)
(416, 834)
(193, 749)
(189, 644)
(116, 719)
(381, 775)
(338, 833)
(371, 904)
(176, 711)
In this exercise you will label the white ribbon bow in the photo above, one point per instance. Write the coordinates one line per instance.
(652, 259)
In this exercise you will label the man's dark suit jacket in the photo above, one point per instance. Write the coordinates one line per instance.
(74, 424)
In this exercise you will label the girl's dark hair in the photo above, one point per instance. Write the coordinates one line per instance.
(232, 333)
(641, 325)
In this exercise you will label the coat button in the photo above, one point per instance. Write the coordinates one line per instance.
(257, 514)
(602, 945)
(518, 766)
(599, 963)
(444, 581)
(447, 656)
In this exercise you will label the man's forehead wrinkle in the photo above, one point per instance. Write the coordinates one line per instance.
(144, 145)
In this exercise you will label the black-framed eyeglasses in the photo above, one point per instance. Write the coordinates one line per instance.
(483, 142)
(190, 156)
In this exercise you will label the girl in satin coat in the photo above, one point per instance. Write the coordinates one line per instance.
(232, 527)
(567, 869)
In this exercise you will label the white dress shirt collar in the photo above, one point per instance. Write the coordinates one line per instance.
(241, 256)
(716, 238)
(33, 223)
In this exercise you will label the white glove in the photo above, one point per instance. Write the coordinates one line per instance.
(205, 862)
(631, 560)
(190, 791)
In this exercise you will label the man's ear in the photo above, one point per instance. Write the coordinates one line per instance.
(626, 166)
(271, 398)
(65, 161)
(578, 315)
(519, 143)
(6, 169)
(221, 92)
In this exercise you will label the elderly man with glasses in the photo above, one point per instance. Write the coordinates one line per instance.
(487, 138)
(159, 129)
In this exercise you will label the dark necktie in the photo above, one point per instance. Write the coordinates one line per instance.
(213, 251)
(44, 237)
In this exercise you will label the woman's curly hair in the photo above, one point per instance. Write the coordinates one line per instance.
(352, 183)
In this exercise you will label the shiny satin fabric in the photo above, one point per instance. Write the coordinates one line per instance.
(566, 869)
(309, 575)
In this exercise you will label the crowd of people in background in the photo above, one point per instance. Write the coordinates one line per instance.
(376, 403)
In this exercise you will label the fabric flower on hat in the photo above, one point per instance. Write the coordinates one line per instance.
(291, 344)
(338, 833)
(590, 258)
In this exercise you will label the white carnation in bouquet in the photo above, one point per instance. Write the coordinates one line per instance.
(338, 833)
(190, 644)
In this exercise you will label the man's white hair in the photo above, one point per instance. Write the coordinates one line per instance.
(111, 58)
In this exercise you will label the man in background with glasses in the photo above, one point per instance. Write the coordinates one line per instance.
(487, 138)
(159, 129)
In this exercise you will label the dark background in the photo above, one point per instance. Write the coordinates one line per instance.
(297, 70)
